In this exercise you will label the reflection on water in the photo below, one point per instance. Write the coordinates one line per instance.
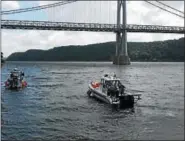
(55, 104)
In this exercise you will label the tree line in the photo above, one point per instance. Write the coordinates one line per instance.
(2, 59)
(169, 50)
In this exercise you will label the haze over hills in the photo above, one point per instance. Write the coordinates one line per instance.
(169, 50)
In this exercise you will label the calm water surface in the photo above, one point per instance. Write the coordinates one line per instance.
(55, 104)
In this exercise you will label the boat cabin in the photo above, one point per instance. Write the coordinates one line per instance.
(112, 84)
(16, 74)
(110, 81)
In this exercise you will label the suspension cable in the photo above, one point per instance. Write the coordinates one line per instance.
(36, 8)
(169, 6)
(164, 9)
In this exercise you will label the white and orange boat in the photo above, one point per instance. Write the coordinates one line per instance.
(110, 90)
(16, 80)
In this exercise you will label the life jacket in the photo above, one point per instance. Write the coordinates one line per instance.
(24, 83)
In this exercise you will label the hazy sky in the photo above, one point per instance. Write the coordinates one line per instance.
(138, 12)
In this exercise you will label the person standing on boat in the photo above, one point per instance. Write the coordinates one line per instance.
(11, 78)
(21, 76)
(121, 88)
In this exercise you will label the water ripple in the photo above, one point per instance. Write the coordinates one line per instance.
(55, 105)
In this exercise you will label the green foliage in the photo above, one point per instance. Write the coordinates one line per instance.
(170, 50)
(2, 59)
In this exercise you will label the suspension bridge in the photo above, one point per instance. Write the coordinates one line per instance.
(118, 27)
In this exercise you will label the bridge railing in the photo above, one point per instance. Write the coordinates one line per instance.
(155, 27)
(47, 25)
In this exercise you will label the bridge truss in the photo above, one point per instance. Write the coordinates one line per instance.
(94, 27)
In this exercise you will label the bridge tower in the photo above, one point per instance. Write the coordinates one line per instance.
(121, 56)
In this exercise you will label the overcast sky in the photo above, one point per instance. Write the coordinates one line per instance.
(138, 12)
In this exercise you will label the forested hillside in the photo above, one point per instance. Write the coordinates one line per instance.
(170, 50)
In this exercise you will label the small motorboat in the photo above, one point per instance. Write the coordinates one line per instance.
(16, 80)
(110, 90)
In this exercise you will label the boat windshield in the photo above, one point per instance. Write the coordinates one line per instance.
(15, 73)
(114, 83)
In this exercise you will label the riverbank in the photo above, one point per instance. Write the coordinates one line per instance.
(158, 51)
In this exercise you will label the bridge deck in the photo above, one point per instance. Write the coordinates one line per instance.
(94, 27)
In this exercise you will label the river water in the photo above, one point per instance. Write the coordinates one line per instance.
(55, 104)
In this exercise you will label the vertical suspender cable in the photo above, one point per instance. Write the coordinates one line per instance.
(94, 15)
(84, 5)
(54, 12)
(76, 12)
(109, 11)
(100, 13)
(48, 14)
(72, 17)
(61, 14)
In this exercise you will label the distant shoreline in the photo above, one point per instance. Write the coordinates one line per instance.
(91, 61)
(164, 51)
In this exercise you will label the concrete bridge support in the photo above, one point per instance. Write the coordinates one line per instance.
(121, 57)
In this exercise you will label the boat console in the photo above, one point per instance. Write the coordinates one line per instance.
(112, 85)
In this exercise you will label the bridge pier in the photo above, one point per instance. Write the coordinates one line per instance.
(121, 60)
(121, 56)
